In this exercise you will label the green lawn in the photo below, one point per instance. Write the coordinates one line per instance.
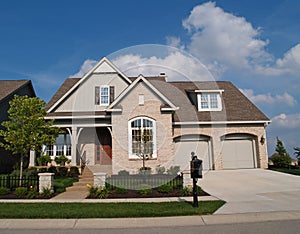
(289, 171)
(104, 210)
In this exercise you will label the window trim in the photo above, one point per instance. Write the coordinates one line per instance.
(134, 156)
(209, 93)
(108, 95)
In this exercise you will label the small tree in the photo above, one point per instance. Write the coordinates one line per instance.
(27, 128)
(144, 149)
(297, 153)
(280, 149)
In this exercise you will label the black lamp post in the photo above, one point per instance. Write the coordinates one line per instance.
(196, 172)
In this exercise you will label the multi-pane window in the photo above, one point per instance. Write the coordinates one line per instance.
(142, 138)
(209, 102)
(62, 146)
(104, 95)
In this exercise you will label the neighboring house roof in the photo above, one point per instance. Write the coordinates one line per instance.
(8, 87)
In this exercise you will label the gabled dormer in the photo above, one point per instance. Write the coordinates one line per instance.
(209, 100)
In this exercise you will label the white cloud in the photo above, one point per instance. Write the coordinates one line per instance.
(268, 98)
(222, 38)
(286, 121)
(289, 64)
(176, 65)
(85, 67)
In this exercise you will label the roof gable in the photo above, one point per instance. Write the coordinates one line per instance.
(103, 66)
(141, 78)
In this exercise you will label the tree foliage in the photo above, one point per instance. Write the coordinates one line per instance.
(26, 128)
(280, 149)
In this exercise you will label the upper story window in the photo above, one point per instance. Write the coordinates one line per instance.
(104, 95)
(209, 100)
(142, 138)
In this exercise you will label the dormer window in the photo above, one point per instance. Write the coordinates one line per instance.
(209, 100)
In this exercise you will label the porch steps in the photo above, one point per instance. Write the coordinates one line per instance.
(79, 189)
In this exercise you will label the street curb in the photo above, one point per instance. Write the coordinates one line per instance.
(179, 221)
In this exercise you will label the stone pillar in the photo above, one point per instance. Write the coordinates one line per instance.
(99, 179)
(46, 181)
(187, 180)
(32, 158)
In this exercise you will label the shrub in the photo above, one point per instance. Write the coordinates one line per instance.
(62, 171)
(123, 173)
(61, 159)
(52, 169)
(186, 191)
(98, 192)
(160, 170)
(21, 192)
(4, 191)
(44, 160)
(33, 193)
(121, 190)
(173, 170)
(145, 171)
(74, 172)
(59, 187)
(144, 189)
(165, 188)
(46, 192)
(281, 161)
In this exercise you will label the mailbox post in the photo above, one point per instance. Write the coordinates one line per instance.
(196, 172)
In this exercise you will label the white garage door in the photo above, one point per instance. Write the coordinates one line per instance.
(186, 145)
(238, 153)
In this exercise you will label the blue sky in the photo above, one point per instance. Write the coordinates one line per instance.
(254, 44)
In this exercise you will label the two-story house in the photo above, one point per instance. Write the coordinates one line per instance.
(110, 120)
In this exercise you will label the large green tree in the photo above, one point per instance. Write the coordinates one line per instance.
(26, 128)
(280, 149)
(297, 152)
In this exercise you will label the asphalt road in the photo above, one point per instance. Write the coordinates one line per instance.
(271, 227)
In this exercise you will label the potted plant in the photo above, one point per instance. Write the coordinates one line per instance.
(44, 160)
(61, 160)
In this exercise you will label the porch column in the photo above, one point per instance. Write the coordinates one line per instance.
(32, 158)
(74, 135)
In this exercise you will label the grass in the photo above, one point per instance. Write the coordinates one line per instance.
(289, 171)
(104, 210)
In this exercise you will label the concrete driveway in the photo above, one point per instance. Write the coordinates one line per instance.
(253, 190)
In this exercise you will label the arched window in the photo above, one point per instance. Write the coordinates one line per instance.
(142, 138)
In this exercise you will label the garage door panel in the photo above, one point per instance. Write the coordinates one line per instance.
(238, 153)
(183, 152)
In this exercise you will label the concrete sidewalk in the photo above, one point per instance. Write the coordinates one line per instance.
(146, 222)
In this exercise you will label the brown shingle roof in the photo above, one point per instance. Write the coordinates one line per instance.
(235, 106)
(64, 88)
(8, 87)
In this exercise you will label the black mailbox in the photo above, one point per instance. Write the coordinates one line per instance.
(196, 168)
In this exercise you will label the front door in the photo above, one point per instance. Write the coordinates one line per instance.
(103, 154)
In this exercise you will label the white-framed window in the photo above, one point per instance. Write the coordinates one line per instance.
(62, 146)
(102, 95)
(142, 138)
(209, 101)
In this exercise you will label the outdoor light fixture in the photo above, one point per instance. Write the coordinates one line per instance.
(262, 140)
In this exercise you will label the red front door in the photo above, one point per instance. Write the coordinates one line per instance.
(103, 153)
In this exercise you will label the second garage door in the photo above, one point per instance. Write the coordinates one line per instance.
(238, 152)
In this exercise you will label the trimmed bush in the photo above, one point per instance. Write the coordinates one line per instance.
(52, 169)
(21, 192)
(62, 171)
(165, 188)
(121, 190)
(123, 173)
(44, 160)
(144, 189)
(74, 172)
(4, 191)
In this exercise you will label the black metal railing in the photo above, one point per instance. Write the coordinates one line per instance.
(13, 182)
(134, 182)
